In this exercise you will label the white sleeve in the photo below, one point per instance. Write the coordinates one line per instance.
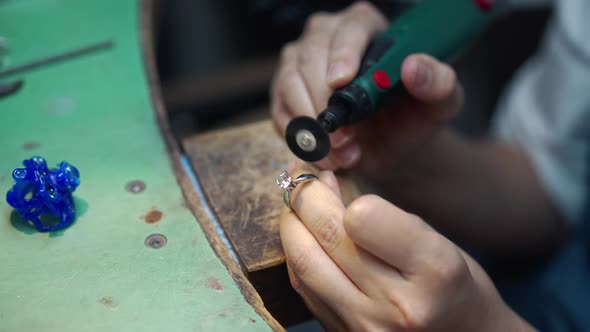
(546, 109)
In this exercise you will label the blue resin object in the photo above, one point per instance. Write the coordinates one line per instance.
(39, 190)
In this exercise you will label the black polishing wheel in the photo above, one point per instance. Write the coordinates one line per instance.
(307, 139)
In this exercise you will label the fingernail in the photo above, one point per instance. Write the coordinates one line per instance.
(295, 165)
(291, 166)
(422, 74)
(326, 163)
(341, 137)
(337, 71)
(330, 180)
(328, 177)
(348, 156)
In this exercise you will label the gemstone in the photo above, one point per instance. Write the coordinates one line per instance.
(284, 180)
(39, 190)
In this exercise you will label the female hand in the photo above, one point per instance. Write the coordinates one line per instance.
(373, 267)
(327, 57)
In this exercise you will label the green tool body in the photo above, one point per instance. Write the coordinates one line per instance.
(435, 27)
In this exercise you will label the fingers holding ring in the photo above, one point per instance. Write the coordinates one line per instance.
(287, 183)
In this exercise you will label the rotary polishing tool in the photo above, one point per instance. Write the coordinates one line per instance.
(435, 27)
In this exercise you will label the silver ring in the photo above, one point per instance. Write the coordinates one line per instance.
(287, 183)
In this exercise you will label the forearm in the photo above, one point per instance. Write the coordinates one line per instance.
(484, 193)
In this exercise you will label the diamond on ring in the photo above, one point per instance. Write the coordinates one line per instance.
(287, 183)
(284, 180)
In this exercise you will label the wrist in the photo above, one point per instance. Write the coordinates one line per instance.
(489, 311)
(508, 320)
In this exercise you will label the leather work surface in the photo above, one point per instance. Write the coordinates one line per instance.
(236, 168)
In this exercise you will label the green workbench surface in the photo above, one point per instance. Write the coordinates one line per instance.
(95, 112)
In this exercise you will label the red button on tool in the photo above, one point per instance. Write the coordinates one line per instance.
(485, 4)
(381, 79)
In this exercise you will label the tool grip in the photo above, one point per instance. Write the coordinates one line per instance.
(434, 27)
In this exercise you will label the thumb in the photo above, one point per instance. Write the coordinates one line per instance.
(432, 82)
(395, 236)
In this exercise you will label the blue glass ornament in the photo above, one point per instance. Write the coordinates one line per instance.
(39, 190)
